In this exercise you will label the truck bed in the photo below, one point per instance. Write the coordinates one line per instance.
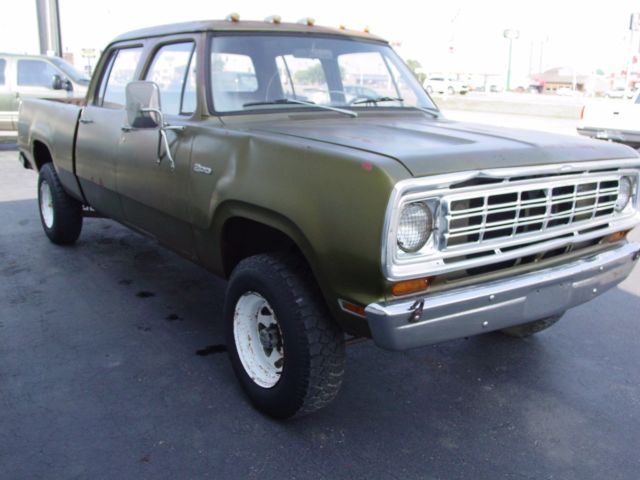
(52, 124)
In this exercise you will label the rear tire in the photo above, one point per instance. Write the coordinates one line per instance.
(284, 347)
(60, 214)
(531, 328)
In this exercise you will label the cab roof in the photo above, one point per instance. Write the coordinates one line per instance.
(242, 26)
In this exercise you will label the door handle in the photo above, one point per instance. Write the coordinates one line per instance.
(85, 122)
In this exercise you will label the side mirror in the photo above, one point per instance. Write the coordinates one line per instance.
(60, 83)
(57, 83)
(143, 105)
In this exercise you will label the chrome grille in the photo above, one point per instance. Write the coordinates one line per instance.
(513, 212)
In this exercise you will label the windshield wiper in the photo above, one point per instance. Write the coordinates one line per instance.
(435, 113)
(359, 101)
(284, 101)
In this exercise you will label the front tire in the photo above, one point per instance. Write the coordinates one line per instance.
(531, 328)
(284, 347)
(60, 214)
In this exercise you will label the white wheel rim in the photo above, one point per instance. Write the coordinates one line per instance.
(258, 339)
(46, 204)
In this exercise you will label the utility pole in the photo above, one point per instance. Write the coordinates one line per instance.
(49, 27)
(543, 42)
(634, 26)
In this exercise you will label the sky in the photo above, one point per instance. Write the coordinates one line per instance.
(451, 36)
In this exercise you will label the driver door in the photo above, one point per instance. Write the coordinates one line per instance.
(35, 79)
(153, 181)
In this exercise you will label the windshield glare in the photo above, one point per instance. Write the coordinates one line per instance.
(253, 72)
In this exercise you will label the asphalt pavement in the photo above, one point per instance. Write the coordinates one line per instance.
(113, 365)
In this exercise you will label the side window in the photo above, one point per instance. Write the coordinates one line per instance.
(3, 64)
(35, 73)
(119, 71)
(173, 69)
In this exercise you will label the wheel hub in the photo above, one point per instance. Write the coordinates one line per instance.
(258, 339)
(46, 204)
(269, 338)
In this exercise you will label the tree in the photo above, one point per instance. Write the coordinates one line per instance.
(415, 66)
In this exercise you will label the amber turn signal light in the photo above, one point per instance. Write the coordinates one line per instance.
(410, 286)
(353, 308)
(616, 237)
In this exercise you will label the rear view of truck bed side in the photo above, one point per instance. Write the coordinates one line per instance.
(47, 131)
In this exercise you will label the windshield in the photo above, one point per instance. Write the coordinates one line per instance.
(256, 72)
(70, 71)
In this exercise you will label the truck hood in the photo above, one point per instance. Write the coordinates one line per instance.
(432, 146)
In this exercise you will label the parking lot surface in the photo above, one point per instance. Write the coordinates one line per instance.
(112, 365)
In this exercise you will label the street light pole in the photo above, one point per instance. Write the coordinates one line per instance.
(510, 35)
(634, 26)
(49, 27)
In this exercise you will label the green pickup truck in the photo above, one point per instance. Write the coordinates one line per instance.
(309, 167)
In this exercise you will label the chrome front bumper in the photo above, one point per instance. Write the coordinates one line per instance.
(621, 136)
(467, 311)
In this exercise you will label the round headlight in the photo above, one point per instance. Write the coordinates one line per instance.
(415, 227)
(625, 191)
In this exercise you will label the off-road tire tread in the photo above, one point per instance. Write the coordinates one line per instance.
(67, 222)
(325, 340)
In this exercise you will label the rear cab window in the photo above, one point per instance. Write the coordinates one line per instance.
(303, 78)
(233, 77)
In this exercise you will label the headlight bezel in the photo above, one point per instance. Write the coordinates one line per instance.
(427, 234)
(631, 195)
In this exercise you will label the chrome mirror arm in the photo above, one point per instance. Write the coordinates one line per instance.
(167, 148)
(163, 128)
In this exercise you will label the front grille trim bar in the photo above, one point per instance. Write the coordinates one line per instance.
(604, 199)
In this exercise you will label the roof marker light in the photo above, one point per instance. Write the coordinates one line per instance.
(366, 30)
(342, 27)
(275, 19)
(309, 22)
(233, 17)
